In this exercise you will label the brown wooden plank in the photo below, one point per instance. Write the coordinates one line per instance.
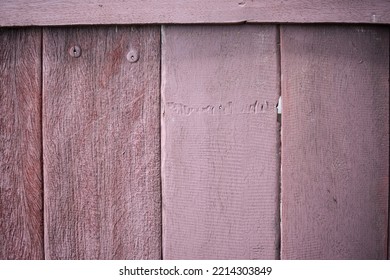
(102, 143)
(75, 12)
(220, 87)
(335, 142)
(21, 213)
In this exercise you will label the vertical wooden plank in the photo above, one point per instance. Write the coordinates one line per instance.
(21, 214)
(335, 142)
(102, 143)
(220, 86)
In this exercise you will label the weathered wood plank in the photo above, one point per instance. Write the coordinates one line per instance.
(21, 213)
(335, 137)
(102, 143)
(220, 86)
(75, 12)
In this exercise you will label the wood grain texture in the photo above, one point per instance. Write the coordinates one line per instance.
(102, 143)
(75, 12)
(335, 142)
(220, 86)
(21, 213)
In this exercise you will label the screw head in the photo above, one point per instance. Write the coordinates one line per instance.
(132, 56)
(75, 51)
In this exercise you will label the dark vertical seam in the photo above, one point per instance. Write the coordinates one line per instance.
(279, 143)
(161, 179)
(42, 147)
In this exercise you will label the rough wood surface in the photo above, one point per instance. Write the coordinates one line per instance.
(335, 142)
(220, 86)
(75, 12)
(21, 214)
(101, 136)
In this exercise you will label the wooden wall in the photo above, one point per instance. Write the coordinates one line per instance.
(21, 186)
(220, 142)
(101, 143)
(150, 142)
(76, 12)
(335, 135)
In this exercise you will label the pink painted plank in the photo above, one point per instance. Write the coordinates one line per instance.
(21, 213)
(335, 142)
(220, 86)
(101, 137)
(76, 12)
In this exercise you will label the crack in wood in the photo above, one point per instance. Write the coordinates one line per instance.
(221, 109)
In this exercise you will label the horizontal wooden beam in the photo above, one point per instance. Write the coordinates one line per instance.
(76, 12)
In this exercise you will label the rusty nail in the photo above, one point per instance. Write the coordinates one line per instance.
(132, 56)
(75, 51)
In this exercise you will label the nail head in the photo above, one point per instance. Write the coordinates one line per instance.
(75, 51)
(133, 56)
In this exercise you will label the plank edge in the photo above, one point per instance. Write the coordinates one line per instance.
(31, 13)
